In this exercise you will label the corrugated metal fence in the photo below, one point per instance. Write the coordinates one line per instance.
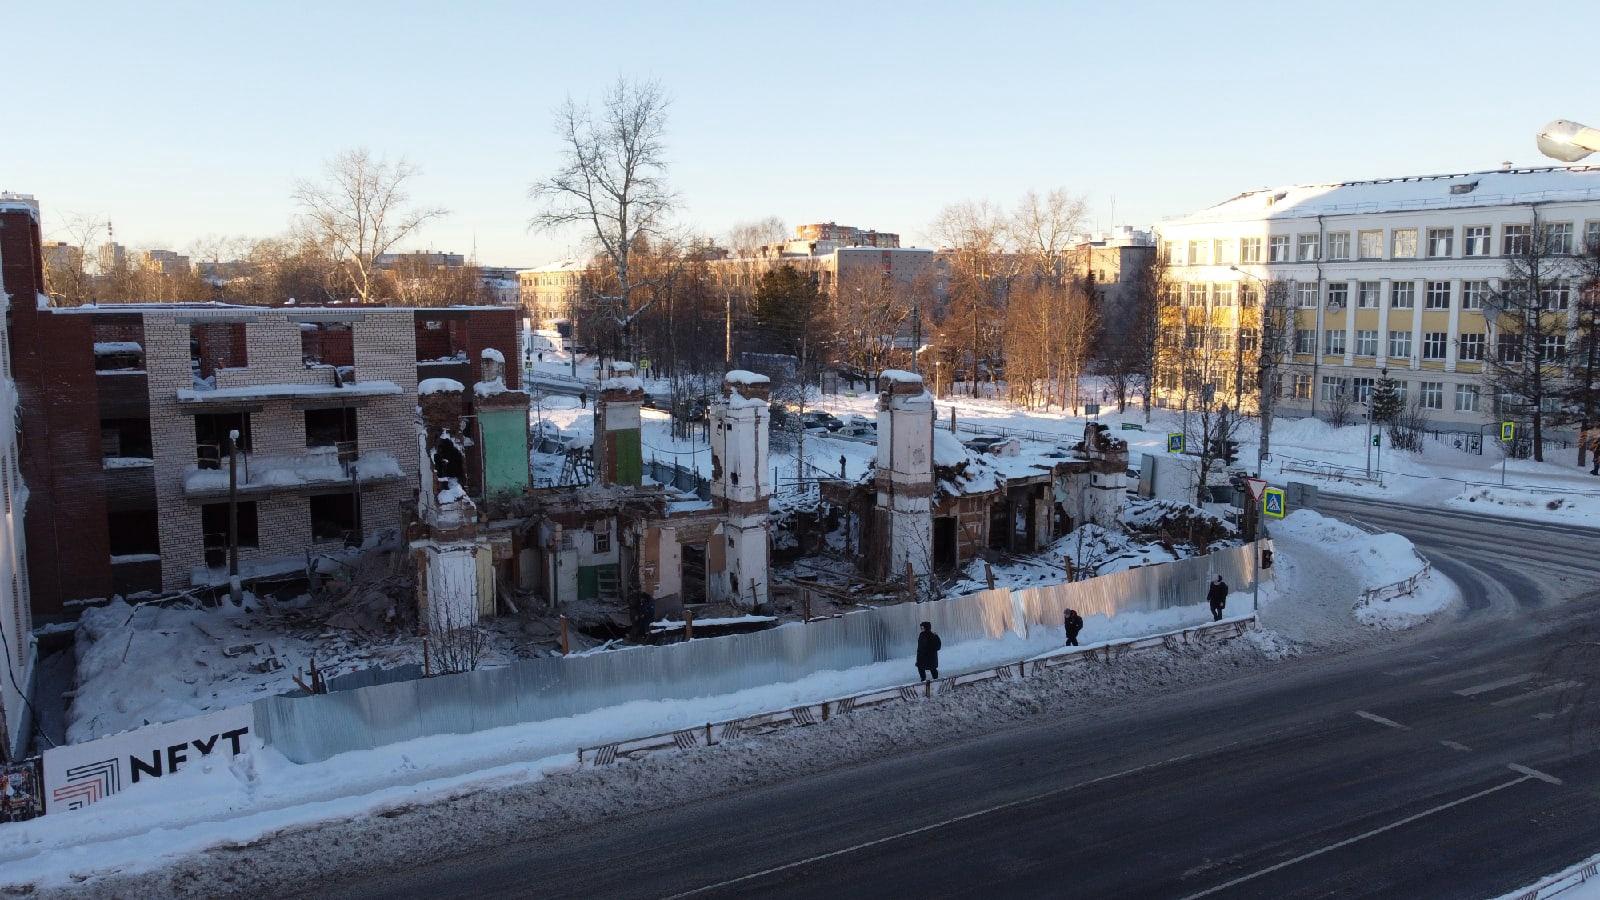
(307, 729)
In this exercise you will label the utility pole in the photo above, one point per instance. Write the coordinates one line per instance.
(234, 592)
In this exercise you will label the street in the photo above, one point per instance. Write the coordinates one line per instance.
(1439, 767)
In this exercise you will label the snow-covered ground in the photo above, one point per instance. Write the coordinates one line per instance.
(1568, 884)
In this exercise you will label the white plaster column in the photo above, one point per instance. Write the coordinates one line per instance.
(1450, 352)
(1385, 285)
(904, 478)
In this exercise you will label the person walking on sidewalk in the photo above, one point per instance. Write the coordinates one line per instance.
(1217, 596)
(1074, 624)
(928, 645)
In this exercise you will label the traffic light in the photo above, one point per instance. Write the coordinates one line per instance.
(1377, 440)
(1230, 452)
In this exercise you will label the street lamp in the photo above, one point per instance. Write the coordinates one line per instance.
(1263, 389)
(1567, 140)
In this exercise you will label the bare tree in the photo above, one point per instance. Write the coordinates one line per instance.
(1043, 228)
(66, 273)
(744, 238)
(361, 210)
(1582, 394)
(1408, 427)
(1337, 411)
(973, 236)
(612, 180)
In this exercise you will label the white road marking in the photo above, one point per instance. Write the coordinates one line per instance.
(1360, 837)
(1373, 717)
(1534, 773)
(1538, 692)
(1551, 715)
(1476, 670)
(1453, 745)
(1494, 685)
(937, 825)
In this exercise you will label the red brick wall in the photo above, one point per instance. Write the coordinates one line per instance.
(222, 346)
(495, 328)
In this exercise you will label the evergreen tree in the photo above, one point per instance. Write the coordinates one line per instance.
(1385, 402)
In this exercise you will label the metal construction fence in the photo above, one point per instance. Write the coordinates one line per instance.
(311, 728)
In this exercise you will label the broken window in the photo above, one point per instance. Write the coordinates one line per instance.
(213, 346)
(602, 537)
(333, 518)
(118, 356)
(211, 432)
(333, 428)
(125, 438)
(448, 461)
(441, 339)
(136, 532)
(214, 527)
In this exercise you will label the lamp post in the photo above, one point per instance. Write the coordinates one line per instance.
(1567, 141)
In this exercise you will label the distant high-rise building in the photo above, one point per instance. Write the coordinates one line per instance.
(164, 262)
(420, 259)
(113, 257)
(63, 257)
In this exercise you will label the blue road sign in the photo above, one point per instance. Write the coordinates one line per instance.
(1273, 503)
(1175, 442)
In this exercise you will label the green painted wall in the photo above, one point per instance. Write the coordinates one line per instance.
(505, 450)
(630, 464)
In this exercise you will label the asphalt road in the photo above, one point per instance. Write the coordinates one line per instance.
(1443, 768)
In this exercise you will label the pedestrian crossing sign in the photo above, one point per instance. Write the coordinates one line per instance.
(1508, 432)
(1175, 442)
(1273, 503)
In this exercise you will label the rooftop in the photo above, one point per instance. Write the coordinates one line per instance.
(1498, 187)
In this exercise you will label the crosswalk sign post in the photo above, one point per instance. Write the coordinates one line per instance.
(1508, 433)
(1175, 442)
(1273, 503)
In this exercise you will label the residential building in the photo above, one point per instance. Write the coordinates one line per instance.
(1113, 262)
(19, 224)
(419, 259)
(164, 262)
(1385, 275)
(112, 257)
(845, 235)
(60, 256)
(547, 292)
(501, 284)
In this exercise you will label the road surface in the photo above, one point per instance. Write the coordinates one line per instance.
(1441, 768)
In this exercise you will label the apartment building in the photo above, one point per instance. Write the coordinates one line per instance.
(164, 262)
(1385, 276)
(16, 618)
(547, 292)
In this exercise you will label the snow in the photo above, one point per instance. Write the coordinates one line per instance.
(452, 492)
(439, 386)
(948, 449)
(127, 462)
(1570, 883)
(319, 465)
(493, 355)
(1530, 503)
(105, 348)
(121, 559)
(670, 624)
(622, 383)
(290, 391)
(1373, 562)
(490, 388)
(900, 376)
(741, 376)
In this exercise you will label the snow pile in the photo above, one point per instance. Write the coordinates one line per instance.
(741, 376)
(439, 386)
(1175, 519)
(319, 465)
(1375, 561)
(493, 355)
(107, 348)
(490, 388)
(452, 492)
(1579, 509)
(948, 449)
(626, 383)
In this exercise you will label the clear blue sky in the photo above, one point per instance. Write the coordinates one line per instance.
(182, 120)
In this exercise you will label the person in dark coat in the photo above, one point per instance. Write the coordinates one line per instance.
(928, 645)
(1074, 624)
(1217, 596)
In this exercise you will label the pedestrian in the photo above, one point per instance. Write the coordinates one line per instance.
(583, 399)
(1594, 455)
(1074, 624)
(1217, 596)
(928, 645)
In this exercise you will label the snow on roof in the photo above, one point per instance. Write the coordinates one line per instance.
(565, 265)
(105, 348)
(491, 353)
(489, 388)
(1490, 188)
(622, 383)
(742, 376)
(439, 386)
(947, 449)
(285, 391)
(900, 375)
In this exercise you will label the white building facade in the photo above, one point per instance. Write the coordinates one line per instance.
(1384, 276)
(16, 618)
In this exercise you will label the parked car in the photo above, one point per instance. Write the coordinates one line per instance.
(819, 419)
(982, 443)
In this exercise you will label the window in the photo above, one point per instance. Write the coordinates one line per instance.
(211, 432)
(1222, 294)
(1438, 295)
(1441, 242)
(332, 428)
(1338, 294)
(1332, 388)
(1403, 243)
(1555, 294)
(213, 346)
(137, 532)
(1369, 293)
(1477, 240)
(1302, 387)
(1469, 347)
(1306, 294)
(1361, 389)
(1197, 294)
(1435, 344)
(1591, 236)
(602, 537)
(333, 518)
(1221, 339)
(1432, 395)
(1466, 398)
(1195, 253)
(1305, 342)
(125, 438)
(1333, 343)
(1169, 251)
(1250, 250)
(1221, 252)
(1556, 238)
(1248, 296)
(1367, 342)
(1402, 295)
(1553, 347)
(1249, 340)
(1514, 240)
(1369, 244)
(214, 526)
(1509, 348)
(1308, 245)
(1339, 245)
(327, 343)
(1399, 345)
(1279, 248)
(1473, 293)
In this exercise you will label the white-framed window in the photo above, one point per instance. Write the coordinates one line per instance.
(1369, 294)
(1361, 389)
(1432, 395)
(1333, 343)
(1339, 245)
(1473, 294)
(1508, 347)
(1249, 340)
(1369, 244)
(1222, 251)
(1402, 295)
(1466, 398)
(1222, 339)
(1435, 344)
(1302, 387)
(1438, 295)
(1441, 243)
(1591, 237)
(1305, 342)
(1401, 390)
(1366, 342)
(1250, 250)
(1307, 248)
(1555, 294)
(1222, 293)
(1332, 388)
(1553, 347)
(1514, 239)
(1403, 243)
(1169, 251)
(1279, 248)
(602, 537)
(1400, 345)
(1469, 347)
(1556, 238)
(1305, 293)
(1197, 293)
(1477, 240)
(1197, 252)
(1338, 294)
(1248, 296)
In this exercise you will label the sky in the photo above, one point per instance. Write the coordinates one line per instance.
(178, 121)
